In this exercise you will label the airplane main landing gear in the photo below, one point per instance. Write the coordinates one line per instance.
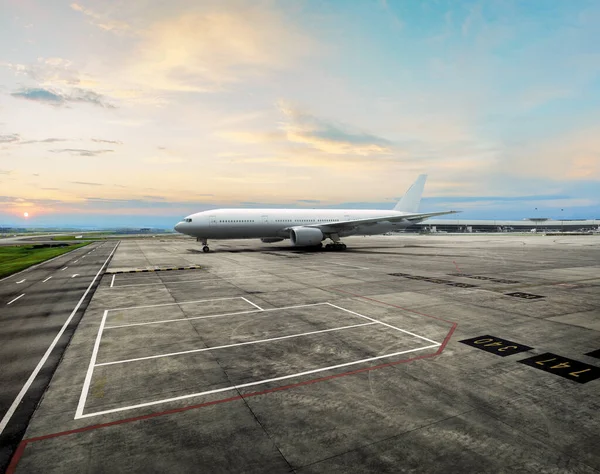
(205, 249)
(336, 245)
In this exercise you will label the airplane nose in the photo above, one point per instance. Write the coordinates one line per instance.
(178, 227)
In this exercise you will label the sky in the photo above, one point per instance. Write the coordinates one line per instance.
(139, 112)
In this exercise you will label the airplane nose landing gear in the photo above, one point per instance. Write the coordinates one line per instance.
(204, 242)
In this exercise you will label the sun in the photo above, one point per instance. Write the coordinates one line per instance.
(26, 214)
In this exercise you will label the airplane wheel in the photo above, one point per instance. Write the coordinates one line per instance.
(343, 247)
(328, 246)
(205, 249)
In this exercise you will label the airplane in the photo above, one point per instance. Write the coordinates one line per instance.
(306, 227)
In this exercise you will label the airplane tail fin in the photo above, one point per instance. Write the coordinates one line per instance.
(411, 200)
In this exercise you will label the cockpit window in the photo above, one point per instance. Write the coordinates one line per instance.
(188, 220)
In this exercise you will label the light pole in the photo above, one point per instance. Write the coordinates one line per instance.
(561, 221)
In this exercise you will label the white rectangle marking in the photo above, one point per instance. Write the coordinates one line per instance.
(250, 384)
(217, 279)
(88, 375)
(255, 305)
(385, 324)
(112, 282)
(62, 269)
(47, 279)
(174, 304)
(220, 315)
(259, 341)
(19, 282)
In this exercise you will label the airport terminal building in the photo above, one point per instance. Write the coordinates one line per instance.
(490, 225)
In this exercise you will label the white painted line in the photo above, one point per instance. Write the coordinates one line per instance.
(8, 415)
(259, 341)
(346, 265)
(47, 279)
(178, 320)
(62, 269)
(76, 274)
(216, 280)
(88, 375)
(21, 281)
(12, 301)
(173, 304)
(385, 324)
(164, 321)
(76, 261)
(255, 305)
(245, 385)
(112, 282)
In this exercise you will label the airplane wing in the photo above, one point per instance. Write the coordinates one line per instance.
(374, 220)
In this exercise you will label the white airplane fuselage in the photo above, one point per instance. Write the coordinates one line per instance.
(306, 227)
(275, 223)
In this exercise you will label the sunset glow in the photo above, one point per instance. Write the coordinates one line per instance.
(160, 109)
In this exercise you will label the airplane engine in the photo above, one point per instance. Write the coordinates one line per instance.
(270, 240)
(305, 236)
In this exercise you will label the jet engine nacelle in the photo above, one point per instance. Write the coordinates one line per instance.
(306, 236)
(270, 240)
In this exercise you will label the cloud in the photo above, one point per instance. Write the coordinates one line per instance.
(329, 136)
(309, 201)
(45, 140)
(58, 98)
(16, 139)
(81, 151)
(12, 138)
(206, 48)
(102, 21)
(115, 142)
(319, 134)
(164, 160)
(47, 71)
(251, 137)
(86, 183)
(6, 171)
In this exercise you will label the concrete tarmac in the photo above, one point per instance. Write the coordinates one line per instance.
(441, 353)
(34, 306)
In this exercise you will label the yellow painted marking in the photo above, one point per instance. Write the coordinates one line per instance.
(482, 341)
(541, 362)
(562, 365)
(576, 374)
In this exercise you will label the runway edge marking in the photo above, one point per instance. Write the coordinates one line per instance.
(8, 415)
(23, 444)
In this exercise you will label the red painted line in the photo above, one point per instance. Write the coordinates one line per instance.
(21, 448)
(16, 457)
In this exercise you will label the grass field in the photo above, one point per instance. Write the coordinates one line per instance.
(92, 236)
(18, 257)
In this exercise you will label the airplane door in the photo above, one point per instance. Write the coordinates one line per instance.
(212, 220)
(265, 219)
